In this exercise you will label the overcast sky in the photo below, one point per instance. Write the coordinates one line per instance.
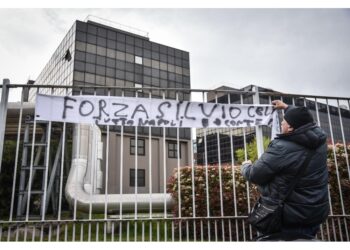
(302, 51)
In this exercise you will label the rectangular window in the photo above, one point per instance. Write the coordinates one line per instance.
(172, 149)
(140, 146)
(90, 58)
(111, 44)
(138, 60)
(129, 57)
(101, 41)
(120, 55)
(141, 177)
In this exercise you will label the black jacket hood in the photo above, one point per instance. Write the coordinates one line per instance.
(310, 136)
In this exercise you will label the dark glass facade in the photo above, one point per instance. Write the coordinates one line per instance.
(109, 57)
(223, 141)
(59, 69)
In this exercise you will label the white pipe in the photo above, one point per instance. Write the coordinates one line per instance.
(75, 183)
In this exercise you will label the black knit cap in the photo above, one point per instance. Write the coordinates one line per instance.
(298, 117)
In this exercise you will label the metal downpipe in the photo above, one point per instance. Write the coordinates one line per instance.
(77, 189)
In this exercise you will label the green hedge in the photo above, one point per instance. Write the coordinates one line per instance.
(237, 195)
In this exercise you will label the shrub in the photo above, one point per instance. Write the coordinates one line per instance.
(238, 196)
(6, 177)
(200, 190)
(234, 198)
(252, 151)
(343, 175)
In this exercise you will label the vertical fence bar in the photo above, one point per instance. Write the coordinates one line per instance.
(246, 158)
(178, 166)
(172, 231)
(258, 129)
(202, 233)
(229, 230)
(93, 169)
(16, 158)
(164, 166)
(335, 159)
(243, 225)
(127, 230)
(317, 113)
(193, 183)
(97, 231)
(233, 178)
(33, 233)
(340, 230)
(187, 232)
(136, 176)
(9, 233)
(220, 167)
(346, 155)
(180, 231)
(321, 230)
(121, 172)
(106, 175)
(206, 172)
(343, 137)
(143, 231)
(220, 172)
(150, 231)
(112, 236)
(150, 163)
(50, 231)
(346, 229)
(158, 235)
(329, 196)
(216, 230)
(76, 175)
(47, 158)
(30, 175)
(66, 232)
(120, 230)
(3, 114)
(61, 179)
(82, 232)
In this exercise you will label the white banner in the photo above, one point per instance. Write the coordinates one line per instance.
(131, 111)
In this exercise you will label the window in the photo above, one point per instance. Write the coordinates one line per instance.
(129, 57)
(172, 149)
(140, 146)
(91, 39)
(141, 177)
(138, 60)
(91, 58)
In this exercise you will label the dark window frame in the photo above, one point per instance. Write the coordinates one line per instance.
(172, 149)
(141, 177)
(141, 149)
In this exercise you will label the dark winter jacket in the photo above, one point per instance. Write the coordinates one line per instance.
(308, 204)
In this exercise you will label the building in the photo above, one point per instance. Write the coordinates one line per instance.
(94, 54)
(213, 138)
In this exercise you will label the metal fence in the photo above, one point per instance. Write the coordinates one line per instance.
(147, 184)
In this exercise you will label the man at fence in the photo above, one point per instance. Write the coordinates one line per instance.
(292, 178)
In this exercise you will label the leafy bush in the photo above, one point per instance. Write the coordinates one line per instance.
(6, 177)
(342, 174)
(236, 195)
(231, 194)
(252, 151)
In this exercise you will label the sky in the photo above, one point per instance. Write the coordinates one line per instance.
(298, 51)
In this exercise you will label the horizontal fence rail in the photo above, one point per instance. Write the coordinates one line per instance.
(66, 182)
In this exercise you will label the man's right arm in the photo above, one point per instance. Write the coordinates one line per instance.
(266, 167)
